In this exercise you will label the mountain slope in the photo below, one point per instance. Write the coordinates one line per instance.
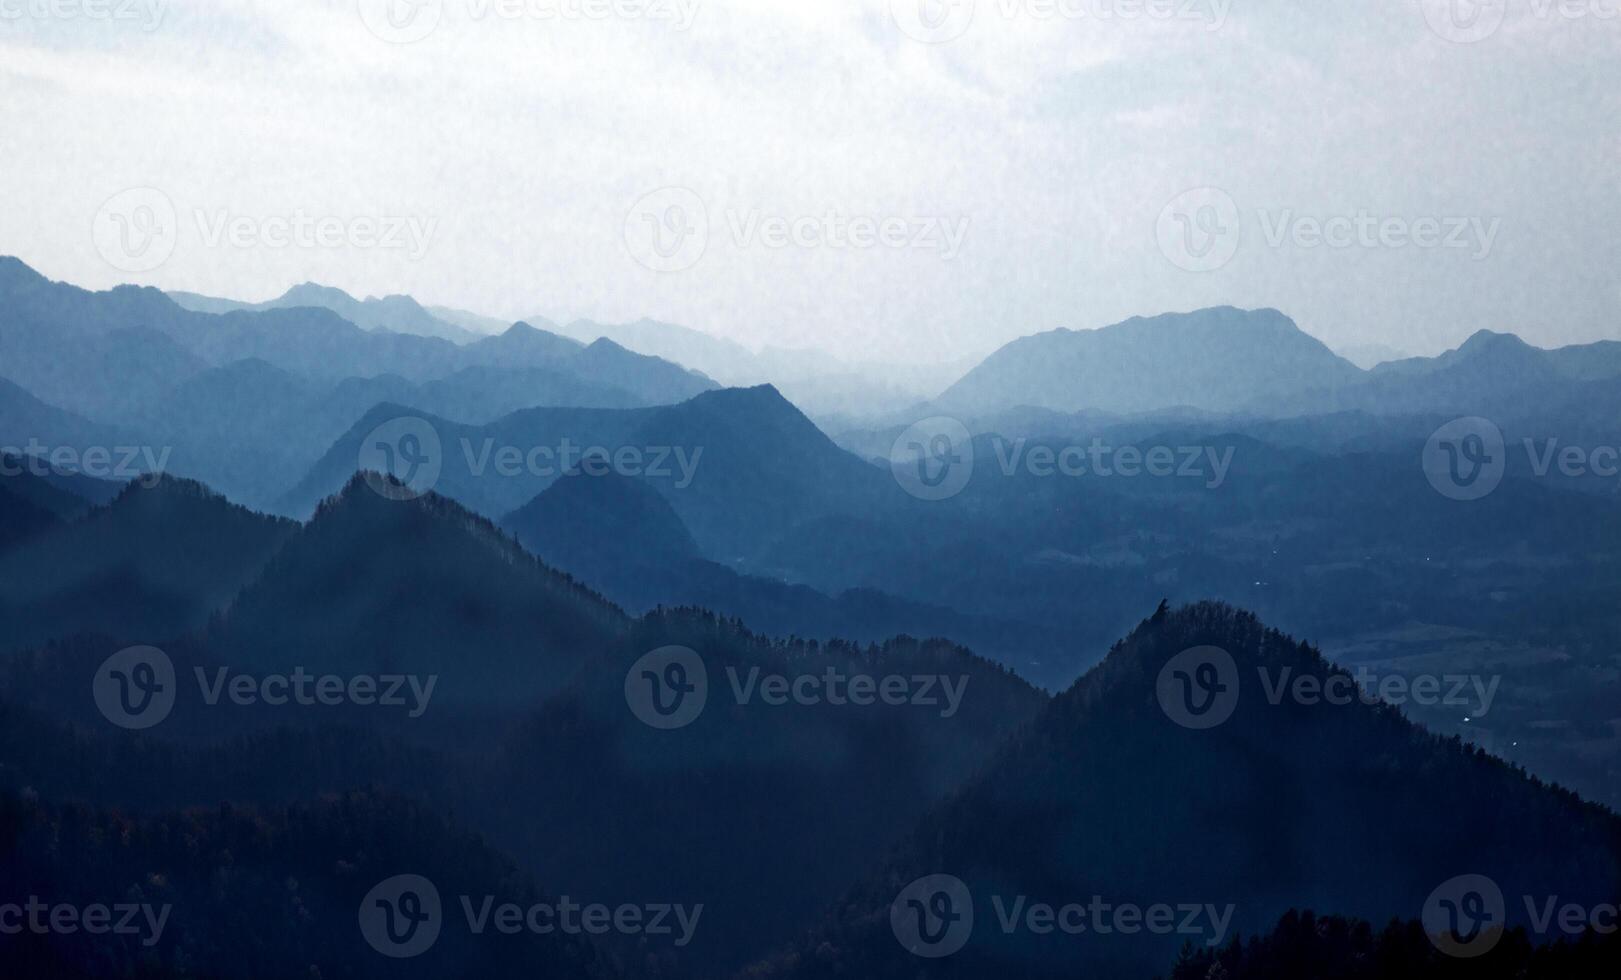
(239, 892)
(739, 466)
(152, 564)
(1338, 807)
(397, 314)
(418, 586)
(594, 520)
(1217, 360)
(74, 348)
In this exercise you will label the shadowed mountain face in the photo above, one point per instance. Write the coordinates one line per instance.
(208, 885)
(150, 565)
(1217, 360)
(738, 466)
(596, 523)
(425, 582)
(1283, 803)
(529, 735)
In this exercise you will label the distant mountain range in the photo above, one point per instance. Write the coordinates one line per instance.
(247, 400)
(1219, 360)
(397, 314)
(1258, 363)
(738, 465)
(690, 516)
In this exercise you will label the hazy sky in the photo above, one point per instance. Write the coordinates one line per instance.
(825, 177)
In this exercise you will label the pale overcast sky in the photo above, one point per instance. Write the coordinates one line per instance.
(1022, 167)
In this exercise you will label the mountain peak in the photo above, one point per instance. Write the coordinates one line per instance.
(1220, 359)
(604, 344)
(1493, 341)
(16, 272)
(315, 294)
